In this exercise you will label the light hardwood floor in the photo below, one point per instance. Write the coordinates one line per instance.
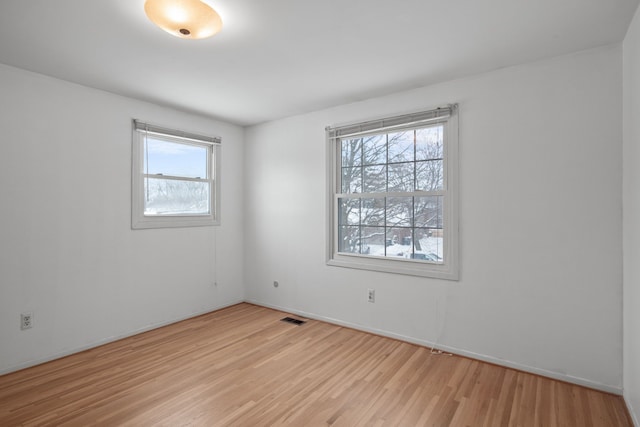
(241, 366)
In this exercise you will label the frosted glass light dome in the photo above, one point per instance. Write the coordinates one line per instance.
(187, 19)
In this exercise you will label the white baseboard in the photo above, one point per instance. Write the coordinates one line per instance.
(634, 416)
(98, 343)
(460, 352)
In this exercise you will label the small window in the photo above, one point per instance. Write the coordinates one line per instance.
(175, 178)
(393, 194)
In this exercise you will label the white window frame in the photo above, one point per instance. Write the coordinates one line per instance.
(448, 269)
(138, 218)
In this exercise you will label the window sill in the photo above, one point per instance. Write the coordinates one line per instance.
(436, 271)
(146, 222)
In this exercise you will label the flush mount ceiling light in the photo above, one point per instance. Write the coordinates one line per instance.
(187, 19)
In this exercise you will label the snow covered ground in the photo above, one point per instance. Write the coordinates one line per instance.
(429, 245)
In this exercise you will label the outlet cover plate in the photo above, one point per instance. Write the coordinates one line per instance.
(26, 321)
(371, 295)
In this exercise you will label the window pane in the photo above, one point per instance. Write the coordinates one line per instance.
(398, 242)
(429, 142)
(373, 241)
(351, 152)
(401, 176)
(401, 146)
(349, 212)
(349, 239)
(429, 175)
(175, 159)
(428, 245)
(375, 179)
(170, 197)
(373, 211)
(399, 210)
(352, 180)
(375, 149)
(428, 212)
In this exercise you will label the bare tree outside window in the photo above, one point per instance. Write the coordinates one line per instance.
(381, 209)
(167, 197)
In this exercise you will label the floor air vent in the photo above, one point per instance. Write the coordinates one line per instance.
(293, 321)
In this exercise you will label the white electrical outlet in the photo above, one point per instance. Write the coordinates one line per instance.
(26, 321)
(371, 295)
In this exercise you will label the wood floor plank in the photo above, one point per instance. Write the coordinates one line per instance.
(241, 366)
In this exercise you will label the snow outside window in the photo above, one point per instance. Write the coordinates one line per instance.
(175, 178)
(392, 194)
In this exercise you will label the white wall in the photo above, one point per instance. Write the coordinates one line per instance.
(631, 215)
(540, 222)
(67, 251)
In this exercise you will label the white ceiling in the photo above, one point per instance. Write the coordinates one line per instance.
(283, 57)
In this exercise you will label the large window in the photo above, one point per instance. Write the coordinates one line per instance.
(393, 194)
(175, 178)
